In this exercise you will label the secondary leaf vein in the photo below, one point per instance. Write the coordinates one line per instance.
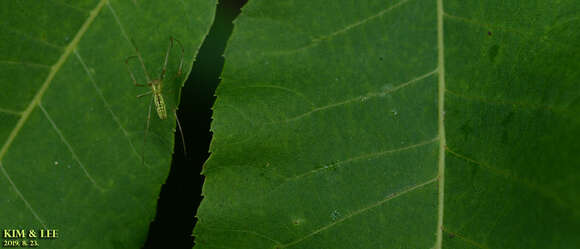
(543, 190)
(467, 240)
(118, 21)
(108, 106)
(30, 37)
(523, 33)
(360, 211)
(246, 231)
(485, 25)
(76, 158)
(21, 196)
(70, 6)
(290, 90)
(562, 110)
(364, 156)
(13, 112)
(351, 26)
(358, 98)
(24, 63)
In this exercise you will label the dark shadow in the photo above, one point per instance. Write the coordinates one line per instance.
(181, 194)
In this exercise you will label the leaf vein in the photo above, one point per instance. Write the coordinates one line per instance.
(360, 211)
(26, 35)
(24, 63)
(346, 28)
(364, 156)
(74, 154)
(440, 125)
(8, 111)
(70, 6)
(108, 106)
(118, 21)
(467, 240)
(484, 25)
(358, 98)
(543, 190)
(523, 33)
(245, 231)
(363, 21)
(21, 196)
(563, 111)
(290, 90)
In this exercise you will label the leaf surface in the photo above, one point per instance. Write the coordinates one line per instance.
(71, 128)
(396, 124)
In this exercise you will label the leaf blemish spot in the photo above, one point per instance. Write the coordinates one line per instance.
(331, 164)
(395, 114)
(335, 215)
(298, 221)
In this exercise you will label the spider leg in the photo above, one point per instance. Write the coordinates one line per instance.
(144, 94)
(146, 131)
(131, 73)
(141, 61)
(180, 132)
(166, 58)
(180, 57)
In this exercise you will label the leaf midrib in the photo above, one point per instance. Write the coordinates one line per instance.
(441, 124)
(54, 69)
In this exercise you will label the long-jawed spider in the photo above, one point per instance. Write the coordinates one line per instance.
(157, 90)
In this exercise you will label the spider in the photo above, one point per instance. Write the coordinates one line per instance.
(157, 89)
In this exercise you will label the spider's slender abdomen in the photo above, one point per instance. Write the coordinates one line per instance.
(160, 105)
(158, 99)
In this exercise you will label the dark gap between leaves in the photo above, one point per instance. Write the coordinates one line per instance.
(181, 194)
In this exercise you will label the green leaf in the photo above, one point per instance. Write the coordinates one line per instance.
(71, 128)
(396, 124)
